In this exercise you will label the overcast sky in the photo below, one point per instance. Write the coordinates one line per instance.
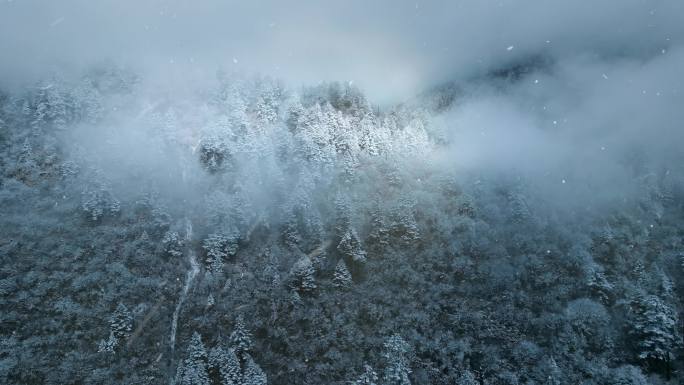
(391, 48)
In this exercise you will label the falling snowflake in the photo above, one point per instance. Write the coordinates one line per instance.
(57, 22)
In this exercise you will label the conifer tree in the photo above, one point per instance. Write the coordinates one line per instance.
(108, 345)
(302, 275)
(350, 247)
(379, 231)
(173, 244)
(121, 322)
(342, 277)
(253, 375)
(218, 248)
(226, 365)
(369, 377)
(291, 235)
(397, 368)
(655, 327)
(240, 338)
(193, 370)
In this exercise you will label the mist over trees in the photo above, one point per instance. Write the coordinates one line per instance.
(304, 236)
(370, 193)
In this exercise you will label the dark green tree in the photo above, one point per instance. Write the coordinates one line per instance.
(193, 370)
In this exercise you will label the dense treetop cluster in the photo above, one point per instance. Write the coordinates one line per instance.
(333, 245)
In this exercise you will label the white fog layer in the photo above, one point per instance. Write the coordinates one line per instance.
(308, 192)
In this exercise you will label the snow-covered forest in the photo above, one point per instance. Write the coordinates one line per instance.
(520, 224)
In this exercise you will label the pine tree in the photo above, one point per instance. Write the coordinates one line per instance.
(173, 244)
(214, 154)
(240, 338)
(655, 329)
(253, 374)
(404, 223)
(266, 105)
(342, 277)
(397, 368)
(99, 201)
(291, 235)
(108, 345)
(121, 322)
(218, 248)
(41, 110)
(27, 166)
(369, 377)
(194, 368)
(57, 113)
(598, 284)
(379, 232)
(639, 273)
(302, 275)
(350, 247)
(225, 363)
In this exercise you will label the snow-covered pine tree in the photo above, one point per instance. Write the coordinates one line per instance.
(341, 277)
(240, 338)
(654, 326)
(369, 377)
(226, 366)
(58, 111)
(99, 202)
(598, 283)
(218, 248)
(350, 246)
(88, 102)
(397, 367)
(378, 236)
(253, 375)
(173, 244)
(121, 322)
(214, 153)
(302, 275)
(291, 236)
(404, 224)
(193, 370)
(266, 104)
(40, 110)
(27, 167)
(108, 345)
